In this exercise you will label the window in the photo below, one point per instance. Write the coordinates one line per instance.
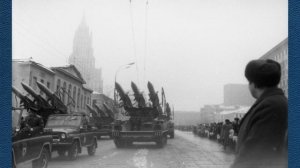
(42, 81)
(78, 98)
(81, 101)
(30, 78)
(48, 85)
(58, 85)
(34, 85)
(74, 95)
(84, 102)
(69, 94)
(64, 92)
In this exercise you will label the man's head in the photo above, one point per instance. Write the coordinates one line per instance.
(262, 74)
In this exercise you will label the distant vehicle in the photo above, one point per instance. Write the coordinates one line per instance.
(169, 118)
(103, 130)
(29, 146)
(71, 132)
(103, 120)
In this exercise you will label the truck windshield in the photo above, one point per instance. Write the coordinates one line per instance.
(54, 121)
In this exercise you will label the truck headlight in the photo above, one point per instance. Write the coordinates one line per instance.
(63, 136)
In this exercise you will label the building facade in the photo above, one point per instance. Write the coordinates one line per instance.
(75, 96)
(279, 53)
(208, 113)
(66, 82)
(83, 58)
(30, 72)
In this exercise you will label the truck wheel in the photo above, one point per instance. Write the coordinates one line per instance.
(73, 151)
(42, 161)
(92, 149)
(61, 152)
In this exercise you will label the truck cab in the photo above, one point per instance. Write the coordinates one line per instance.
(71, 132)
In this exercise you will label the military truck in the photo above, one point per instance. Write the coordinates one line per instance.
(29, 145)
(71, 133)
(145, 124)
(103, 120)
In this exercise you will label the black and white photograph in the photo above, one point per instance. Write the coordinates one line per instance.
(149, 84)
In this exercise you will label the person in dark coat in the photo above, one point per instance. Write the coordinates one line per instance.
(235, 126)
(261, 138)
(225, 133)
(33, 123)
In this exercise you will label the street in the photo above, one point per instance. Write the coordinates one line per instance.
(185, 151)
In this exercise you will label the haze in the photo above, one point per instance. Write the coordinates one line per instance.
(189, 47)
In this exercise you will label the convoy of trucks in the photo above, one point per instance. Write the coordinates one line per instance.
(68, 132)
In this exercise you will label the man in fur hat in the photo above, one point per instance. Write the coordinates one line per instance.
(262, 130)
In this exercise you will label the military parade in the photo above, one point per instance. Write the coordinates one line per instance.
(69, 132)
(45, 126)
(149, 84)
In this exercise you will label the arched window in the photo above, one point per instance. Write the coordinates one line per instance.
(64, 93)
(69, 94)
(34, 85)
(74, 96)
(84, 102)
(81, 102)
(78, 98)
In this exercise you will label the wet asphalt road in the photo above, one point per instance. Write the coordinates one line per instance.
(185, 151)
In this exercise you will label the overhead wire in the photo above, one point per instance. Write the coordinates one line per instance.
(44, 31)
(39, 41)
(34, 39)
(134, 42)
(146, 40)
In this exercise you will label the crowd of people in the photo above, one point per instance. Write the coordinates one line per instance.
(260, 138)
(223, 132)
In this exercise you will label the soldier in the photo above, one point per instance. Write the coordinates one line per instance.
(33, 123)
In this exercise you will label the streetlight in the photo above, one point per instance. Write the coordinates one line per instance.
(120, 67)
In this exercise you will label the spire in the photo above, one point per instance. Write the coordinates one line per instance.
(82, 55)
(83, 21)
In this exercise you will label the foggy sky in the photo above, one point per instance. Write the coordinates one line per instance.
(192, 48)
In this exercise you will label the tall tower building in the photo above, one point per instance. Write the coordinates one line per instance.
(83, 57)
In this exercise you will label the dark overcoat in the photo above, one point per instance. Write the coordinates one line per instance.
(261, 139)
